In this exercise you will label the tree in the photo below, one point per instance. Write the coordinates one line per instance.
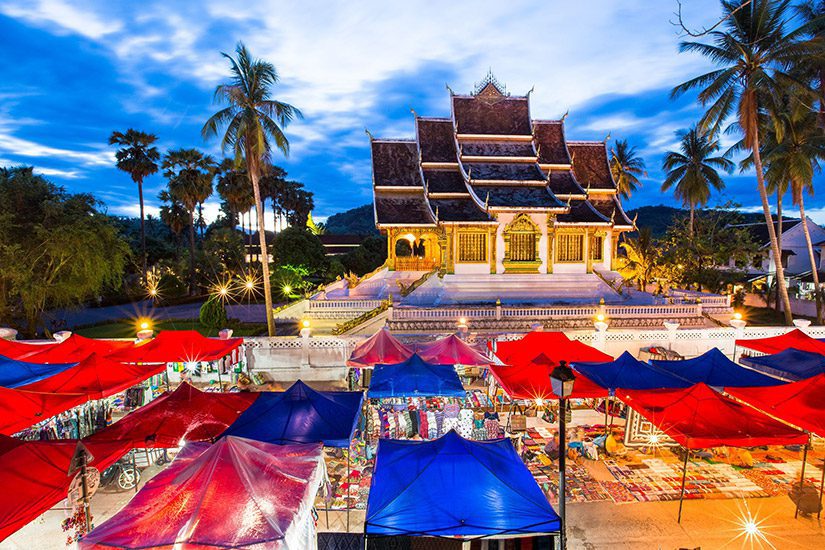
(368, 256)
(252, 123)
(753, 51)
(233, 187)
(297, 246)
(692, 171)
(273, 185)
(190, 174)
(812, 13)
(56, 249)
(626, 165)
(641, 259)
(137, 157)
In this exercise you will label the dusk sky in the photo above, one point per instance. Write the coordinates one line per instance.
(72, 73)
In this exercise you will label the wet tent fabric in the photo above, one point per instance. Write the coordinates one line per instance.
(300, 415)
(20, 409)
(699, 417)
(532, 381)
(791, 364)
(794, 339)
(236, 493)
(185, 414)
(629, 373)
(415, 378)
(455, 487)
(15, 373)
(71, 350)
(380, 348)
(36, 474)
(715, 369)
(452, 350)
(96, 377)
(554, 345)
(799, 403)
(178, 346)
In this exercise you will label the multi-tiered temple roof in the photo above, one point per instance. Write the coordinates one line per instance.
(490, 156)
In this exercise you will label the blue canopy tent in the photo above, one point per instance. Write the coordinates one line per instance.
(629, 373)
(791, 364)
(453, 487)
(715, 369)
(300, 415)
(14, 374)
(415, 378)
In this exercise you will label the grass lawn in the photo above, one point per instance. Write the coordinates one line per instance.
(127, 329)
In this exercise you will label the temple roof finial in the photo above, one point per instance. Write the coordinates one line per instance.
(452, 93)
(564, 116)
(607, 137)
(490, 86)
(367, 131)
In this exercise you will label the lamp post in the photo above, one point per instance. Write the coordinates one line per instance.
(561, 380)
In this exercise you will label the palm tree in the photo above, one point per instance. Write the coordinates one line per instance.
(693, 170)
(273, 185)
(626, 165)
(641, 259)
(794, 157)
(753, 50)
(252, 123)
(812, 13)
(173, 213)
(137, 157)
(190, 174)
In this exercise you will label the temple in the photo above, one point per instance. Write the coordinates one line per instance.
(490, 190)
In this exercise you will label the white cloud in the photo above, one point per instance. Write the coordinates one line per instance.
(64, 16)
(19, 147)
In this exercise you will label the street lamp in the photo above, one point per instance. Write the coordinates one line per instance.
(562, 380)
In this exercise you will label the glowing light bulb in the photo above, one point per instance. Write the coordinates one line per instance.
(305, 323)
(287, 289)
(539, 402)
(737, 316)
(144, 326)
(600, 317)
(223, 291)
(250, 285)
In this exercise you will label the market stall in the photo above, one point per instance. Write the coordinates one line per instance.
(715, 369)
(555, 346)
(20, 409)
(452, 350)
(414, 378)
(453, 487)
(381, 347)
(15, 373)
(699, 417)
(791, 364)
(237, 493)
(629, 373)
(70, 350)
(795, 339)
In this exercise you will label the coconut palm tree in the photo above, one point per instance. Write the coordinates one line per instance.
(693, 170)
(626, 165)
(794, 156)
(252, 124)
(139, 158)
(812, 13)
(753, 50)
(190, 175)
(641, 259)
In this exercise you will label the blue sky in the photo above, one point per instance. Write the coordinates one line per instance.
(73, 72)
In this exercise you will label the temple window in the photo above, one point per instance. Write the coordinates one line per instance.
(523, 247)
(597, 249)
(472, 247)
(570, 248)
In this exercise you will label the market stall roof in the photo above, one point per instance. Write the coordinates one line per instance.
(452, 350)
(236, 493)
(186, 414)
(715, 369)
(71, 350)
(178, 346)
(20, 409)
(794, 339)
(36, 474)
(380, 348)
(15, 373)
(555, 345)
(455, 487)
(300, 415)
(532, 381)
(799, 403)
(629, 373)
(415, 378)
(96, 377)
(699, 417)
(791, 364)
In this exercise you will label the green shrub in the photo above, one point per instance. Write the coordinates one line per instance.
(213, 313)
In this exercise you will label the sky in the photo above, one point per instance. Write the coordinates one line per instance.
(72, 72)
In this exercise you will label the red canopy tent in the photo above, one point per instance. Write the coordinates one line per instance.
(20, 409)
(71, 350)
(799, 403)
(532, 381)
(96, 377)
(184, 414)
(35, 476)
(452, 350)
(382, 348)
(236, 493)
(178, 346)
(554, 345)
(698, 417)
(795, 339)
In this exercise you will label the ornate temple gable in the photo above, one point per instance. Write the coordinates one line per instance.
(491, 111)
(489, 89)
(395, 164)
(436, 140)
(591, 166)
(522, 222)
(550, 143)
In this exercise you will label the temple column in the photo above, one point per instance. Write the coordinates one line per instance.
(588, 257)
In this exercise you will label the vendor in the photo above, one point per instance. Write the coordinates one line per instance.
(552, 447)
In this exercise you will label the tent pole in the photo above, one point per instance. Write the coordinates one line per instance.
(134, 468)
(606, 407)
(349, 451)
(220, 382)
(682, 492)
(801, 480)
(821, 486)
(84, 487)
(166, 374)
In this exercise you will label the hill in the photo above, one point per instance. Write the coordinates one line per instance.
(659, 217)
(356, 221)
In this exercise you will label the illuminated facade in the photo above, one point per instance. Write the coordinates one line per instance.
(490, 190)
